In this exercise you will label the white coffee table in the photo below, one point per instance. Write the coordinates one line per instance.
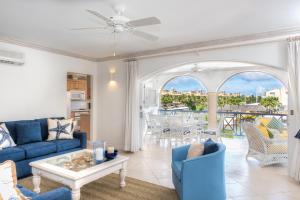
(54, 168)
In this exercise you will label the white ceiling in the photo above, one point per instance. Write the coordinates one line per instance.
(208, 66)
(47, 22)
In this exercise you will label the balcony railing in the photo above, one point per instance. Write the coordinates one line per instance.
(232, 120)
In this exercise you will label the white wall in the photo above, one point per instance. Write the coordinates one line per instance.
(112, 101)
(267, 54)
(38, 88)
(213, 80)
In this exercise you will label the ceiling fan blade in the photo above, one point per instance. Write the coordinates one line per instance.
(144, 35)
(144, 22)
(99, 15)
(87, 28)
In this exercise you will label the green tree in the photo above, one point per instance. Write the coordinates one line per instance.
(166, 100)
(221, 101)
(271, 103)
(191, 104)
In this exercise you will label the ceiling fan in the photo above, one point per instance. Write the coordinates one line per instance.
(119, 23)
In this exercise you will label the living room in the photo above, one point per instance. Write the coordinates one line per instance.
(120, 45)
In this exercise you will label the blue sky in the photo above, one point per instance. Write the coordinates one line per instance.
(246, 83)
(184, 83)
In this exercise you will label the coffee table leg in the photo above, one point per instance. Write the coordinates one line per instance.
(75, 194)
(36, 182)
(122, 177)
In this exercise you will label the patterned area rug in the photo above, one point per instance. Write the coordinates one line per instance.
(107, 188)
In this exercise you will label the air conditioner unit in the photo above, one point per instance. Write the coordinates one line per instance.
(10, 57)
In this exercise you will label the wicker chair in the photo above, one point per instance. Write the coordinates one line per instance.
(267, 151)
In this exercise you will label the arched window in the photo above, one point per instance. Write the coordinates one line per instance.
(253, 92)
(183, 93)
(250, 96)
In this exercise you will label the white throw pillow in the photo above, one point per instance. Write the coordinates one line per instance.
(195, 150)
(60, 129)
(5, 138)
(8, 182)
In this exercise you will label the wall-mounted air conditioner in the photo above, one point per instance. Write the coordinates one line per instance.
(10, 57)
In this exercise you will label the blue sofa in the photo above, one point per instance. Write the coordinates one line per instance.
(199, 178)
(23, 154)
(57, 194)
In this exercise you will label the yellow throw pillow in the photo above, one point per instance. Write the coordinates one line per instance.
(265, 121)
(264, 131)
(195, 150)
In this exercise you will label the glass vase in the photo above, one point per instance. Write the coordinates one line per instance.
(99, 151)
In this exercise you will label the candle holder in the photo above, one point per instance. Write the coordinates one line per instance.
(99, 151)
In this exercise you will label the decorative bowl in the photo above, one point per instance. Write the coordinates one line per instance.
(111, 156)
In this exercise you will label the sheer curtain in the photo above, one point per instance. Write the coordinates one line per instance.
(132, 129)
(294, 95)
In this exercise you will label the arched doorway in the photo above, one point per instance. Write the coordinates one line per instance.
(183, 93)
(251, 96)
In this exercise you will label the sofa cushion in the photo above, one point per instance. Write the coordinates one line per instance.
(11, 126)
(176, 167)
(37, 149)
(12, 153)
(63, 145)
(210, 146)
(28, 132)
(44, 127)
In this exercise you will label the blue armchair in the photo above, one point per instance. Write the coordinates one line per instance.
(57, 194)
(200, 178)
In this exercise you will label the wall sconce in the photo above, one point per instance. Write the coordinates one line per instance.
(112, 83)
(112, 72)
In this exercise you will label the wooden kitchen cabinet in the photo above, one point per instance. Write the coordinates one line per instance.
(79, 84)
(84, 124)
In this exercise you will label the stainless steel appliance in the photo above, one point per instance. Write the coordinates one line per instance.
(79, 106)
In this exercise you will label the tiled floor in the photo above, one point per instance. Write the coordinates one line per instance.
(245, 180)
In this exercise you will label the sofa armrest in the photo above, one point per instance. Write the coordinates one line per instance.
(57, 194)
(82, 137)
(180, 153)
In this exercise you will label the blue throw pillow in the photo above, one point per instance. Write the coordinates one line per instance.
(28, 132)
(210, 146)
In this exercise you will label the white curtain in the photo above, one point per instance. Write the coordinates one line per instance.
(132, 132)
(294, 95)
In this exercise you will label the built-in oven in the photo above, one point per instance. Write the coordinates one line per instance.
(79, 105)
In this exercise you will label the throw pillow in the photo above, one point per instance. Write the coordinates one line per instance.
(275, 124)
(8, 182)
(264, 131)
(210, 146)
(195, 150)
(5, 138)
(264, 121)
(28, 132)
(275, 133)
(60, 129)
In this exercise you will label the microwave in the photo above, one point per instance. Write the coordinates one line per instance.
(78, 95)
